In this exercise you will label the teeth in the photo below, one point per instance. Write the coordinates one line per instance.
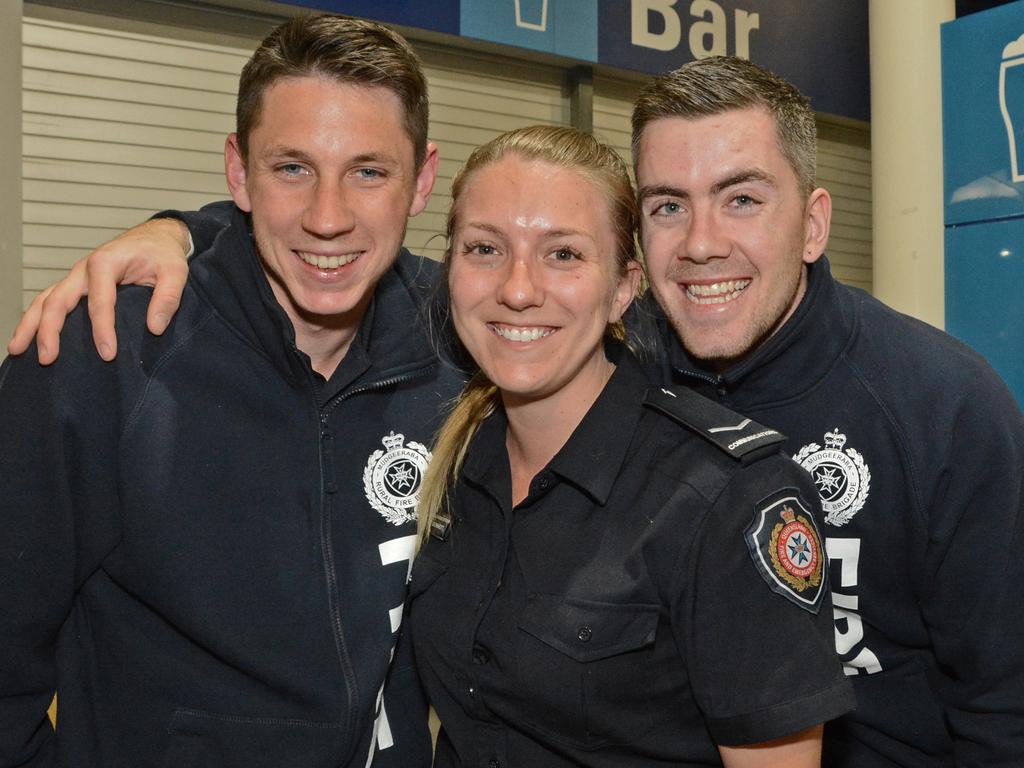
(716, 293)
(521, 334)
(327, 262)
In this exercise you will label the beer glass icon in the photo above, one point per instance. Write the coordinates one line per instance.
(534, 9)
(1011, 102)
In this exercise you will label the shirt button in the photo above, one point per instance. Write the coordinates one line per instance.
(472, 692)
(480, 656)
(543, 483)
(494, 763)
(584, 634)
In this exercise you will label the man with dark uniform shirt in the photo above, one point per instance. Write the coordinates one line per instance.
(915, 445)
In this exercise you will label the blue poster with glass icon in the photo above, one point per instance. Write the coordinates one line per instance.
(983, 168)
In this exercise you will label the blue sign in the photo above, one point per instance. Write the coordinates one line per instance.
(435, 15)
(984, 267)
(983, 165)
(565, 27)
(819, 45)
(983, 115)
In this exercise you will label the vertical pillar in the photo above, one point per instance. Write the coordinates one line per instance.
(580, 84)
(906, 155)
(10, 180)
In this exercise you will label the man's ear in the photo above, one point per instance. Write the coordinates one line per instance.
(817, 221)
(235, 172)
(425, 177)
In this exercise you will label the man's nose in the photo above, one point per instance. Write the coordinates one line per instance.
(705, 238)
(328, 213)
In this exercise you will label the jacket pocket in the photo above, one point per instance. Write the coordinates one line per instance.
(583, 666)
(212, 740)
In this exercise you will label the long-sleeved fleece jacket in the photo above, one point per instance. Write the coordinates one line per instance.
(204, 545)
(917, 450)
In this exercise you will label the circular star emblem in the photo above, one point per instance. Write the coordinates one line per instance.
(392, 478)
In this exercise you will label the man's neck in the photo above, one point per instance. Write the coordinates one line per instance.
(326, 347)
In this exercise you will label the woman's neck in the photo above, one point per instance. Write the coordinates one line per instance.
(537, 429)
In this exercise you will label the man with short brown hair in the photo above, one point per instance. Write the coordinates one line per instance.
(207, 542)
(914, 443)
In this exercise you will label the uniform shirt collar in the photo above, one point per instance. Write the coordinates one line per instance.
(594, 453)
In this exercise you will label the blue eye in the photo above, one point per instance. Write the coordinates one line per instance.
(370, 173)
(292, 169)
(667, 209)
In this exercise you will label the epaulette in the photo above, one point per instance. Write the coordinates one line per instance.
(740, 437)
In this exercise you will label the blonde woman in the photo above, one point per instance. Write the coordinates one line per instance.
(588, 590)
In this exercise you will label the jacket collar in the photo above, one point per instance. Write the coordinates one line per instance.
(792, 361)
(595, 452)
(390, 340)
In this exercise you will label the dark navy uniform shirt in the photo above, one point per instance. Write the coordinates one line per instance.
(630, 611)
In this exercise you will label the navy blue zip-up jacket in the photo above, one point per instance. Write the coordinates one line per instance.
(917, 450)
(205, 545)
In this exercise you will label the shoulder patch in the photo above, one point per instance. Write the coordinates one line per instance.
(787, 550)
(738, 436)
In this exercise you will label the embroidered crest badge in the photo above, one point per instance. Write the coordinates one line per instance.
(393, 477)
(786, 548)
(842, 477)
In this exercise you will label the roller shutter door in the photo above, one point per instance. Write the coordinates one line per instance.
(844, 169)
(119, 124)
(115, 126)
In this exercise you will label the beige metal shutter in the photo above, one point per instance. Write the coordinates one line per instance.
(844, 169)
(119, 124)
(613, 106)
(116, 126)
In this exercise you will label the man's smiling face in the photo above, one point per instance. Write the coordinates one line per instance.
(330, 181)
(726, 231)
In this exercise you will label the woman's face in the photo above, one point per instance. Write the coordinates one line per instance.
(534, 279)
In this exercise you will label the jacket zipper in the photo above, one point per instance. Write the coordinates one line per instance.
(328, 487)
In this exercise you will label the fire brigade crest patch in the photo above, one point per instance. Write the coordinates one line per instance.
(787, 550)
(393, 477)
(842, 477)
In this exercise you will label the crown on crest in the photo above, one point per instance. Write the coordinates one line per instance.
(393, 441)
(787, 514)
(835, 439)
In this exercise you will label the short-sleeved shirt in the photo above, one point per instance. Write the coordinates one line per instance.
(616, 616)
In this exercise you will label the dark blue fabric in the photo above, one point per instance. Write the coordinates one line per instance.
(190, 555)
(929, 567)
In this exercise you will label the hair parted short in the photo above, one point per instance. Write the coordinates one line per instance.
(721, 83)
(351, 51)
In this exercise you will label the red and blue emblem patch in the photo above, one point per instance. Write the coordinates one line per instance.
(787, 549)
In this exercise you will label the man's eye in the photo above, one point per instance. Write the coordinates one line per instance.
(370, 173)
(669, 209)
(744, 201)
(292, 169)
